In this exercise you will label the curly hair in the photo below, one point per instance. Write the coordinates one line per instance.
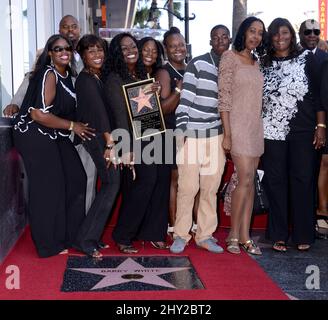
(115, 60)
(160, 52)
(239, 42)
(273, 29)
(44, 60)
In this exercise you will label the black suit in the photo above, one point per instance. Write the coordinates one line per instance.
(321, 56)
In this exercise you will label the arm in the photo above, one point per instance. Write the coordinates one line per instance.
(169, 101)
(314, 73)
(47, 119)
(17, 99)
(225, 97)
(117, 109)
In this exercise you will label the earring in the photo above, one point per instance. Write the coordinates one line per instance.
(52, 63)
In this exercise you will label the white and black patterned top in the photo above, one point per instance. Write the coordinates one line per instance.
(63, 106)
(290, 96)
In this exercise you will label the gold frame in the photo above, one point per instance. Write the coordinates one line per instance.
(143, 114)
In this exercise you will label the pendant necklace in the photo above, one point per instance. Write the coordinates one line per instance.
(175, 69)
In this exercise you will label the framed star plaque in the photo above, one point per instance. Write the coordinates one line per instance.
(144, 109)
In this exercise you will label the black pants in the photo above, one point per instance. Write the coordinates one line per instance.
(93, 226)
(56, 183)
(289, 168)
(144, 210)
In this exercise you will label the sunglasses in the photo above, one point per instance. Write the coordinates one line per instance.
(307, 32)
(61, 49)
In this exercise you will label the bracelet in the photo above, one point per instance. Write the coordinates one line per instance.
(321, 125)
(177, 90)
(109, 146)
(71, 126)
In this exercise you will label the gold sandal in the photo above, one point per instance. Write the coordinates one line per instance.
(233, 246)
(250, 247)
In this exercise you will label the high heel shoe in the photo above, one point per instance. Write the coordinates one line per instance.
(159, 244)
(102, 245)
(303, 247)
(127, 249)
(93, 253)
(250, 247)
(233, 246)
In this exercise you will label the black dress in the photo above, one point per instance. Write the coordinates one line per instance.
(91, 109)
(144, 210)
(56, 178)
(170, 119)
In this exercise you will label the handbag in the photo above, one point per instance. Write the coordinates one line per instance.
(261, 201)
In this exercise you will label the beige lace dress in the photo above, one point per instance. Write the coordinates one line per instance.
(240, 93)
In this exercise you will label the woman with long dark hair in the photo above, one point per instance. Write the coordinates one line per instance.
(41, 134)
(240, 105)
(143, 213)
(91, 108)
(151, 53)
(292, 132)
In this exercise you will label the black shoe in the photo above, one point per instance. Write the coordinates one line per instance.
(128, 249)
(159, 244)
(102, 245)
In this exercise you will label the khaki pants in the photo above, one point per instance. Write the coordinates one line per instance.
(200, 165)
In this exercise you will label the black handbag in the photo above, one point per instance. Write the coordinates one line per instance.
(261, 202)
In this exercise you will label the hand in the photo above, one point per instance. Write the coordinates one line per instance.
(83, 131)
(10, 110)
(226, 144)
(319, 140)
(110, 158)
(153, 88)
(178, 83)
(127, 159)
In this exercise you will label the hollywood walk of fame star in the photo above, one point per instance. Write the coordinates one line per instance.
(143, 100)
(130, 270)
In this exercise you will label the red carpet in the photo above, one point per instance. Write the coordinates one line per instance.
(225, 276)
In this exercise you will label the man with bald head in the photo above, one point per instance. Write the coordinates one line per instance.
(70, 28)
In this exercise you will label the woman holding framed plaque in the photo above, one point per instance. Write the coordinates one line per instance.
(143, 214)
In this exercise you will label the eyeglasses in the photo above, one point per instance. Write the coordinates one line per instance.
(307, 32)
(58, 49)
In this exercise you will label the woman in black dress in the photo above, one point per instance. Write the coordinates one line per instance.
(55, 173)
(141, 215)
(91, 109)
(170, 77)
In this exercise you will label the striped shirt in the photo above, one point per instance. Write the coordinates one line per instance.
(198, 107)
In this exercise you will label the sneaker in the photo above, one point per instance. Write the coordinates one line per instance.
(178, 245)
(210, 245)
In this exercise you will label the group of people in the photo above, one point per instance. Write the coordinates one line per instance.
(260, 102)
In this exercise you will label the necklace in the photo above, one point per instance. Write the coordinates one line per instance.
(216, 67)
(175, 69)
